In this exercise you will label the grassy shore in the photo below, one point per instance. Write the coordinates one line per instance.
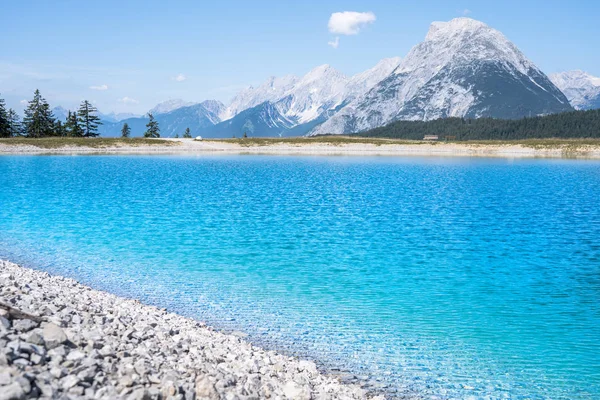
(319, 145)
(338, 140)
(58, 142)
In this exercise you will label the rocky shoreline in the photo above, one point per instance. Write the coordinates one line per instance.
(62, 340)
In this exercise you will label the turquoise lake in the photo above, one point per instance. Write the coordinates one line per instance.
(456, 277)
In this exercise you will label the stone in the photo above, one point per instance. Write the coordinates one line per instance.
(24, 383)
(69, 381)
(36, 359)
(35, 338)
(5, 378)
(24, 325)
(205, 389)
(21, 362)
(31, 348)
(59, 351)
(99, 346)
(154, 393)
(14, 391)
(139, 394)
(128, 334)
(77, 390)
(53, 336)
(87, 374)
(46, 389)
(169, 389)
(295, 391)
(4, 323)
(75, 355)
(57, 372)
(126, 381)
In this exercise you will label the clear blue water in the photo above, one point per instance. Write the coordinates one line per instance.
(462, 278)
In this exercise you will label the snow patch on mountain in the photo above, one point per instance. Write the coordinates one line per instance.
(272, 90)
(170, 105)
(323, 88)
(116, 117)
(362, 82)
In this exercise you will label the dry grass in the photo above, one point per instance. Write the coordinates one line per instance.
(96, 143)
(542, 144)
(334, 140)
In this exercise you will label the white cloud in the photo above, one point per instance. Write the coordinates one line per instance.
(335, 42)
(24, 102)
(466, 11)
(180, 78)
(128, 100)
(101, 87)
(349, 22)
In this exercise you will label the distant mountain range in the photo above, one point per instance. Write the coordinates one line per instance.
(581, 88)
(61, 113)
(464, 68)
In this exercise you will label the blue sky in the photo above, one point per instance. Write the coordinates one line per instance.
(126, 56)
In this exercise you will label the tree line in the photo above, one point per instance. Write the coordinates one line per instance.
(571, 124)
(39, 122)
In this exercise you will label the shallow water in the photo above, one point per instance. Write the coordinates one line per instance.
(452, 276)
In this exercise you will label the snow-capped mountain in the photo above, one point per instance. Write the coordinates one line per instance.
(116, 117)
(60, 113)
(320, 90)
(308, 98)
(464, 68)
(272, 90)
(215, 108)
(361, 83)
(581, 88)
(261, 120)
(170, 105)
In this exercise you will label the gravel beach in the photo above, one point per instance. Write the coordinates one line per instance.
(208, 147)
(60, 339)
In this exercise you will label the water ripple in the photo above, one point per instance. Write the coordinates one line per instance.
(457, 277)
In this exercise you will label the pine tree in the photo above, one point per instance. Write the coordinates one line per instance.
(88, 120)
(14, 124)
(72, 127)
(187, 133)
(60, 128)
(38, 121)
(125, 131)
(152, 131)
(4, 124)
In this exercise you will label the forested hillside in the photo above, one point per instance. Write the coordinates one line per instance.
(574, 124)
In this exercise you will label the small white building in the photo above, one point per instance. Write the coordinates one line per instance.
(198, 138)
(430, 137)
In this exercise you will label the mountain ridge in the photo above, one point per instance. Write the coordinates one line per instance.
(581, 88)
(463, 68)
